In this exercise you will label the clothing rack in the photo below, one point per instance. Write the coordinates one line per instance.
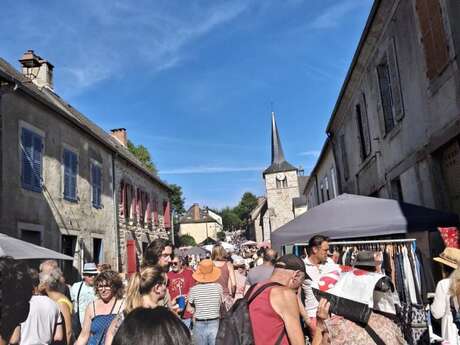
(373, 241)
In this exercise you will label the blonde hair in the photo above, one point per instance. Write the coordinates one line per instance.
(219, 253)
(454, 288)
(140, 284)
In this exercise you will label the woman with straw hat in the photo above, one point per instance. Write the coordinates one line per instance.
(204, 301)
(447, 297)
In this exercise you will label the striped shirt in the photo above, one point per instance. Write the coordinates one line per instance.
(207, 299)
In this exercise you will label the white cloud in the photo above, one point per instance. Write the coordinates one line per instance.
(333, 15)
(210, 170)
(314, 153)
(92, 41)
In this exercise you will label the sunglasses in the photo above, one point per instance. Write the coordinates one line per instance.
(174, 263)
(100, 287)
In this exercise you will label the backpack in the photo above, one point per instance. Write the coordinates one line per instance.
(235, 325)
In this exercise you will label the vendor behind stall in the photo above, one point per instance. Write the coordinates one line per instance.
(446, 301)
(337, 330)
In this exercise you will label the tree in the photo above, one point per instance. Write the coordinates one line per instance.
(143, 155)
(221, 236)
(177, 200)
(246, 205)
(230, 219)
(187, 241)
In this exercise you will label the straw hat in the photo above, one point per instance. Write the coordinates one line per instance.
(206, 272)
(450, 257)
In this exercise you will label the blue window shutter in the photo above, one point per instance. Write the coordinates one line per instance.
(73, 176)
(37, 162)
(70, 175)
(96, 185)
(27, 152)
(99, 185)
(93, 183)
(67, 174)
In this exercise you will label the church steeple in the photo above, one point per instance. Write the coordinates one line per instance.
(279, 163)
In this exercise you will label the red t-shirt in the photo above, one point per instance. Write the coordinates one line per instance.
(180, 283)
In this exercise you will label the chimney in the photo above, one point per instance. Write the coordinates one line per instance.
(196, 212)
(38, 70)
(121, 135)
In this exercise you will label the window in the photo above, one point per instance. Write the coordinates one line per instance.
(326, 184)
(363, 129)
(346, 171)
(434, 37)
(321, 188)
(334, 188)
(285, 184)
(96, 184)
(396, 189)
(385, 95)
(32, 160)
(390, 88)
(70, 175)
(98, 251)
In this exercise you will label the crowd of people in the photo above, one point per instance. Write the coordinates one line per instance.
(168, 301)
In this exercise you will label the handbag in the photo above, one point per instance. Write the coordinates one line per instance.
(76, 324)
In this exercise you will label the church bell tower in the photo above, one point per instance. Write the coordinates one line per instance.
(281, 184)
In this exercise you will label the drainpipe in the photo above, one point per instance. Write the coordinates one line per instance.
(115, 208)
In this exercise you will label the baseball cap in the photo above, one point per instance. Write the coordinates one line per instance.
(290, 262)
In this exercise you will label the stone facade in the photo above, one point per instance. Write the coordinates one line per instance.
(142, 209)
(61, 176)
(46, 217)
(280, 195)
(395, 129)
(322, 185)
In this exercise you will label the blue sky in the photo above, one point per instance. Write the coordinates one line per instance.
(194, 81)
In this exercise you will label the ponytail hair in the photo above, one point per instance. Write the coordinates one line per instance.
(140, 284)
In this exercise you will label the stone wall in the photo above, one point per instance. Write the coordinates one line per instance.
(279, 200)
(133, 225)
(409, 152)
(47, 212)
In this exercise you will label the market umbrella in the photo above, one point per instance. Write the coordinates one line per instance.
(351, 216)
(18, 249)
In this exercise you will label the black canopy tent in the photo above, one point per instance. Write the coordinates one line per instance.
(352, 216)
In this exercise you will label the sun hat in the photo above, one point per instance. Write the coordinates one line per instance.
(90, 268)
(206, 272)
(449, 257)
(290, 262)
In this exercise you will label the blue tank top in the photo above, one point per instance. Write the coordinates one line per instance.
(100, 324)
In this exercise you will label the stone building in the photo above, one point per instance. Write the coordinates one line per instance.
(284, 198)
(144, 211)
(395, 128)
(322, 184)
(58, 170)
(200, 224)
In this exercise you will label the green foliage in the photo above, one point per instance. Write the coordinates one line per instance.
(221, 236)
(247, 204)
(230, 219)
(177, 200)
(234, 218)
(187, 240)
(141, 153)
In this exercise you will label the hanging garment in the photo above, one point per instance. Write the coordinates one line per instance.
(409, 277)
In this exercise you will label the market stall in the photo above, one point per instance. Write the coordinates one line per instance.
(354, 216)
